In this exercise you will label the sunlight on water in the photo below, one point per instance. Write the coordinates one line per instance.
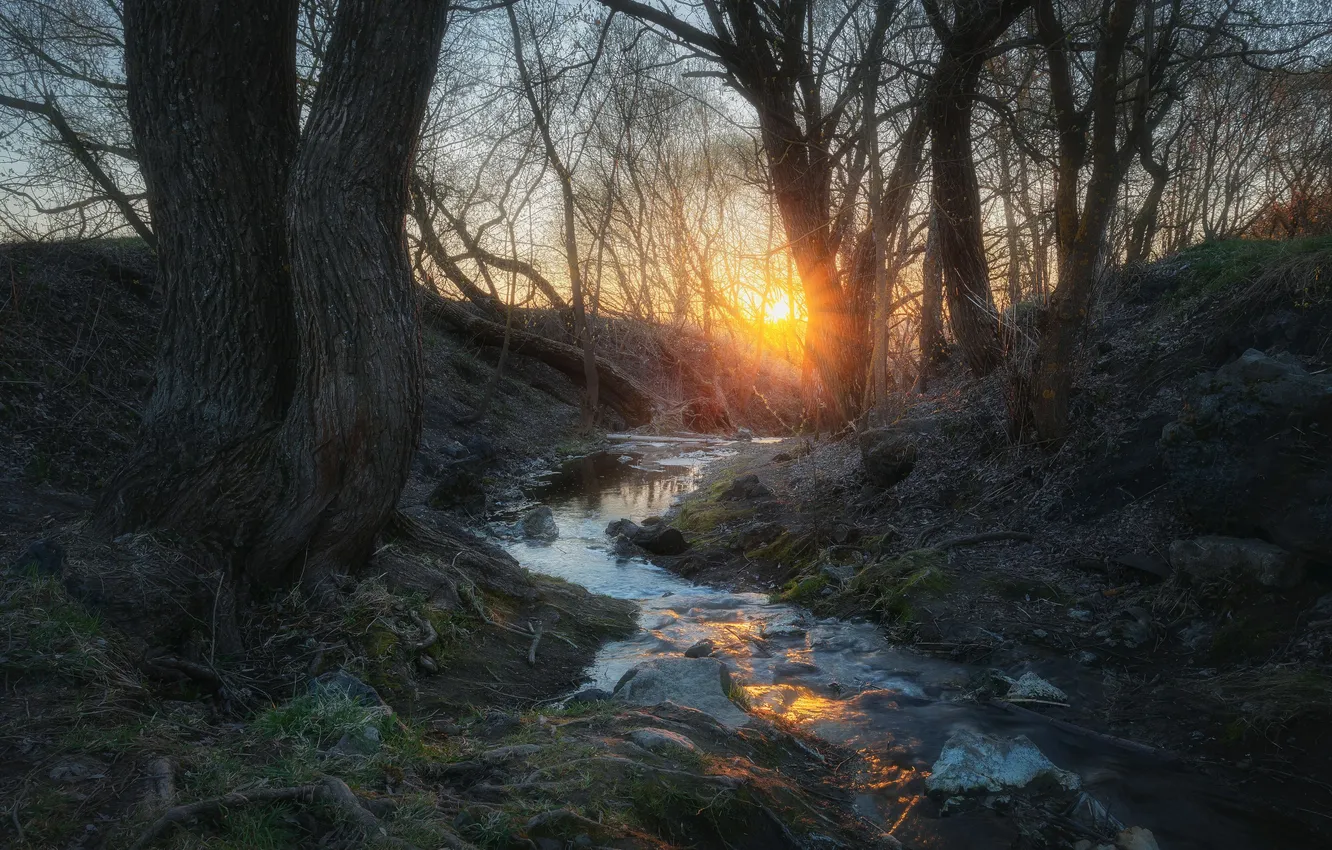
(842, 681)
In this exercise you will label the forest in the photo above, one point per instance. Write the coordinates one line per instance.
(950, 379)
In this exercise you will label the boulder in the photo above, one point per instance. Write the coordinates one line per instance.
(539, 524)
(888, 454)
(359, 742)
(1136, 838)
(660, 540)
(1215, 558)
(744, 435)
(746, 487)
(699, 683)
(589, 695)
(1251, 456)
(339, 684)
(972, 762)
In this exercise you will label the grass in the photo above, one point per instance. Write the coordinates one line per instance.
(802, 591)
(895, 586)
(1225, 265)
(1268, 698)
(790, 550)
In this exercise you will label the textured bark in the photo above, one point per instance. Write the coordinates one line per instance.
(288, 395)
(954, 188)
(211, 114)
(617, 389)
(931, 306)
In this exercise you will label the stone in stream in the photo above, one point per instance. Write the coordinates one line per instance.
(539, 524)
(975, 762)
(656, 537)
(699, 683)
(1031, 686)
(702, 649)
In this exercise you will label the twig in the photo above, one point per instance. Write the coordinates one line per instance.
(1035, 701)
(536, 639)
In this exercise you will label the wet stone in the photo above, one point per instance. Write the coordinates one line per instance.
(973, 762)
(702, 649)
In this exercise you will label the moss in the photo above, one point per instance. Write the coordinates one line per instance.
(802, 591)
(700, 516)
(895, 586)
(794, 551)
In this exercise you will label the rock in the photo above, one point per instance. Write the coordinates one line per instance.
(661, 540)
(481, 448)
(362, 741)
(1082, 615)
(1216, 558)
(1142, 563)
(699, 683)
(1031, 686)
(539, 524)
(623, 527)
(702, 649)
(43, 557)
(589, 695)
(654, 535)
(793, 669)
(745, 487)
(1136, 838)
(427, 664)
(1252, 454)
(744, 435)
(624, 459)
(662, 741)
(459, 484)
(781, 457)
(72, 770)
(888, 454)
(339, 684)
(974, 762)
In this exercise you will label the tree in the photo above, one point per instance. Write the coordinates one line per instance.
(288, 393)
(965, 42)
(769, 54)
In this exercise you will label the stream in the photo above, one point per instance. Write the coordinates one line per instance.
(843, 681)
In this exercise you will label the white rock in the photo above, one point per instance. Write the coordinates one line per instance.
(1136, 838)
(971, 761)
(699, 683)
(1031, 686)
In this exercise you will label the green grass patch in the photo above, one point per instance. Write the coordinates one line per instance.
(1220, 266)
(896, 586)
(790, 550)
(701, 516)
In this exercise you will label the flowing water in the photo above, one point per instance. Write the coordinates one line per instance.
(844, 682)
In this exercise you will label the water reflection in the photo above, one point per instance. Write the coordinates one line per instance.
(844, 682)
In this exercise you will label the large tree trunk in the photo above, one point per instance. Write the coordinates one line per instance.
(212, 99)
(288, 395)
(931, 306)
(956, 196)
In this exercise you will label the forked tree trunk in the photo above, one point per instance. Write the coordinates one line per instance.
(954, 188)
(288, 397)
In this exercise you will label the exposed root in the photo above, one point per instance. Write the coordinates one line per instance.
(329, 789)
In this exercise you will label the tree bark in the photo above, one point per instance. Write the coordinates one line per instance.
(931, 306)
(288, 398)
(954, 187)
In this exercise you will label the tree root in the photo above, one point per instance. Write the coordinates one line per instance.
(328, 789)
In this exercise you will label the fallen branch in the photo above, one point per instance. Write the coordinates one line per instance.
(536, 639)
(988, 537)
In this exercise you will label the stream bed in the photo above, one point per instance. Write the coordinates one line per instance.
(843, 681)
